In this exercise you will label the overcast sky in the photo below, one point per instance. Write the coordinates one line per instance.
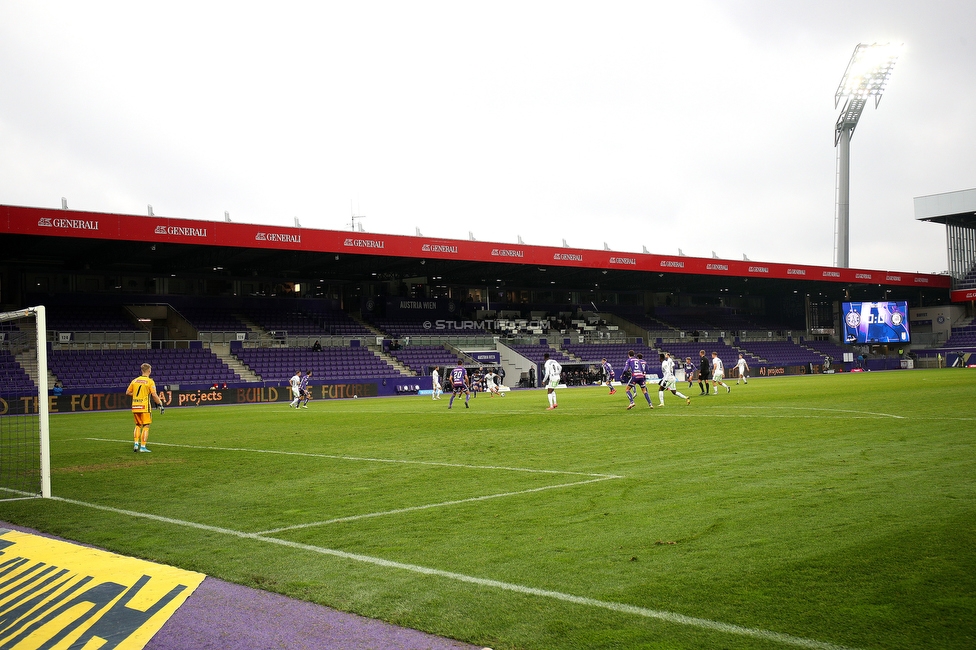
(704, 126)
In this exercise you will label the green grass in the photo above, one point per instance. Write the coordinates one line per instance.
(836, 509)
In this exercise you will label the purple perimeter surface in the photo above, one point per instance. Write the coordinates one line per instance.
(222, 615)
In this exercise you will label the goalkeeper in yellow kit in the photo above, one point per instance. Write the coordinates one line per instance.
(141, 389)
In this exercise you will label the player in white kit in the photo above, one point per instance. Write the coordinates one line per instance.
(741, 367)
(553, 371)
(491, 384)
(435, 380)
(718, 374)
(668, 380)
(295, 382)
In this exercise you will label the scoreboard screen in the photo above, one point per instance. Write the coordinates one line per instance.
(875, 322)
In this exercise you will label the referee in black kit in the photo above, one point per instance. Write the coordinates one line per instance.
(704, 374)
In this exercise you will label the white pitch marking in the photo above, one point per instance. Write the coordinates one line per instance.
(373, 460)
(825, 414)
(824, 410)
(427, 506)
(596, 478)
(670, 617)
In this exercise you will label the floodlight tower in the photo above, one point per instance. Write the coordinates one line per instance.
(866, 76)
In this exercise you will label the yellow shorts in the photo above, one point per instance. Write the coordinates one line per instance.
(143, 418)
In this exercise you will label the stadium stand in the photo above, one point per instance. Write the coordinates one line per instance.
(535, 352)
(13, 378)
(106, 319)
(780, 353)
(615, 353)
(278, 356)
(687, 320)
(756, 353)
(705, 319)
(116, 368)
(400, 328)
(279, 364)
(292, 318)
(968, 281)
(962, 339)
(420, 358)
(654, 327)
(335, 322)
(728, 354)
(292, 323)
(212, 318)
(827, 349)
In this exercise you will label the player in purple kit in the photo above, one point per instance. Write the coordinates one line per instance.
(637, 368)
(608, 376)
(459, 384)
(689, 371)
(303, 388)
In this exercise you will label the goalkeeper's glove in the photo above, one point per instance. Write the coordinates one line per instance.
(161, 409)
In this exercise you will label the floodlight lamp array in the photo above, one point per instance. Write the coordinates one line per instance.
(866, 76)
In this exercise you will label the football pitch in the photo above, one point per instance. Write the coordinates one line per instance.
(813, 512)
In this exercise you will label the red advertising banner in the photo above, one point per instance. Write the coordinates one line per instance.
(67, 223)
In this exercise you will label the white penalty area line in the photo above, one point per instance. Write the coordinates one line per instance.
(824, 413)
(429, 506)
(828, 411)
(394, 461)
(591, 478)
(669, 617)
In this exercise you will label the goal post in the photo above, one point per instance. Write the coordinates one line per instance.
(25, 444)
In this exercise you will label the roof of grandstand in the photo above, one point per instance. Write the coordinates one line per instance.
(73, 240)
(948, 207)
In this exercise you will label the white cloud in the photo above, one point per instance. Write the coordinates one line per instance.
(705, 126)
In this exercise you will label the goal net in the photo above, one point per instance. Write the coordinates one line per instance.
(25, 452)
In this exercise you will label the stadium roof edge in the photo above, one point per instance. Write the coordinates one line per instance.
(957, 207)
(46, 222)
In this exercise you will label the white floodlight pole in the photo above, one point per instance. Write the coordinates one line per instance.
(866, 75)
(842, 245)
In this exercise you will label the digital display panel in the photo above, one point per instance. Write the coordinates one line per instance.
(875, 322)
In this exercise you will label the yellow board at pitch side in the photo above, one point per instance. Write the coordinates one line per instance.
(60, 595)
